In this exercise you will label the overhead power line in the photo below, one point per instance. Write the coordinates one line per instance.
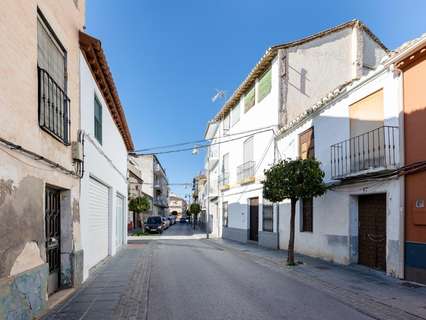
(200, 141)
(241, 135)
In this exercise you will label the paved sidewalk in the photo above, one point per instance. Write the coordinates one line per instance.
(109, 293)
(367, 289)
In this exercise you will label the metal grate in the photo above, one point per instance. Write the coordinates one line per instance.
(245, 172)
(373, 149)
(53, 107)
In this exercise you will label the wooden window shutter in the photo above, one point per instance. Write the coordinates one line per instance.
(306, 144)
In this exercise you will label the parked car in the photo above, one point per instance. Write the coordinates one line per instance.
(154, 224)
(166, 223)
(183, 220)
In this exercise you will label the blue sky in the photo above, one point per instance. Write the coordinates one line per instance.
(167, 57)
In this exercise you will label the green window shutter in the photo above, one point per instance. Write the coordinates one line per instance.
(98, 120)
(250, 99)
(265, 85)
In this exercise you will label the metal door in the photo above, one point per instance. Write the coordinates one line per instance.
(254, 218)
(53, 236)
(372, 231)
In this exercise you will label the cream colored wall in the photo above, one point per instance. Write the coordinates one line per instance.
(18, 70)
(22, 179)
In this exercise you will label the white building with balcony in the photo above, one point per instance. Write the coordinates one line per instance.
(355, 133)
(155, 183)
(285, 82)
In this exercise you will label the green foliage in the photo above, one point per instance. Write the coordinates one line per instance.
(294, 179)
(139, 204)
(194, 208)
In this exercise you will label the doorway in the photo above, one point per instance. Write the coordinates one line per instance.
(53, 237)
(372, 231)
(254, 218)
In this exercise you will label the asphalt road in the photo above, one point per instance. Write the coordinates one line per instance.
(197, 279)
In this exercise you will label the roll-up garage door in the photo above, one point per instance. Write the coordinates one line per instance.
(97, 223)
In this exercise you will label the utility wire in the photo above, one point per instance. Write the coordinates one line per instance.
(201, 141)
(207, 145)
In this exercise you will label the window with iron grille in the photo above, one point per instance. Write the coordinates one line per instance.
(98, 120)
(307, 218)
(53, 103)
(225, 213)
(268, 217)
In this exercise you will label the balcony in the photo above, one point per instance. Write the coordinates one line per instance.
(213, 188)
(245, 173)
(213, 156)
(372, 151)
(224, 181)
(53, 107)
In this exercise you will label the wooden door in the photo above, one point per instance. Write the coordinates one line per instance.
(254, 218)
(372, 231)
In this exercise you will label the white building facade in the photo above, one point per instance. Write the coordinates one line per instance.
(356, 136)
(286, 81)
(107, 141)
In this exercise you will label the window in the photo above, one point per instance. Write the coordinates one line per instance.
(235, 114)
(225, 213)
(248, 152)
(250, 99)
(307, 209)
(268, 217)
(53, 102)
(265, 84)
(306, 144)
(226, 124)
(225, 168)
(98, 120)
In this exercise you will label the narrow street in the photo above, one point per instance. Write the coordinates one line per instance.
(199, 279)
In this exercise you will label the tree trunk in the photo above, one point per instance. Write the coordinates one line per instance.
(290, 257)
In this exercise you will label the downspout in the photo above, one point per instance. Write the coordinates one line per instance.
(398, 73)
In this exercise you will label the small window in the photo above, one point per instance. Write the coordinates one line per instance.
(306, 144)
(268, 217)
(235, 114)
(98, 120)
(250, 99)
(225, 213)
(307, 219)
(265, 85)
(226, 124)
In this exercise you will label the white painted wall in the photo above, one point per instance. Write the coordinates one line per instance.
(107, 162)
(335, 213)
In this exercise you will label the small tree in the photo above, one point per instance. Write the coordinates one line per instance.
(139, 204)
(294, 180)
(194, 209)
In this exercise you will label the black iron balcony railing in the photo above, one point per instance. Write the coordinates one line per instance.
(53, 107)
(371, 150)
(245, 172)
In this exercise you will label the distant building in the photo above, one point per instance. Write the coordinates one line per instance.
(177, 205)
(155, 183)
(135, 183)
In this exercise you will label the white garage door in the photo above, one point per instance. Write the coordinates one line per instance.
(97, 223)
